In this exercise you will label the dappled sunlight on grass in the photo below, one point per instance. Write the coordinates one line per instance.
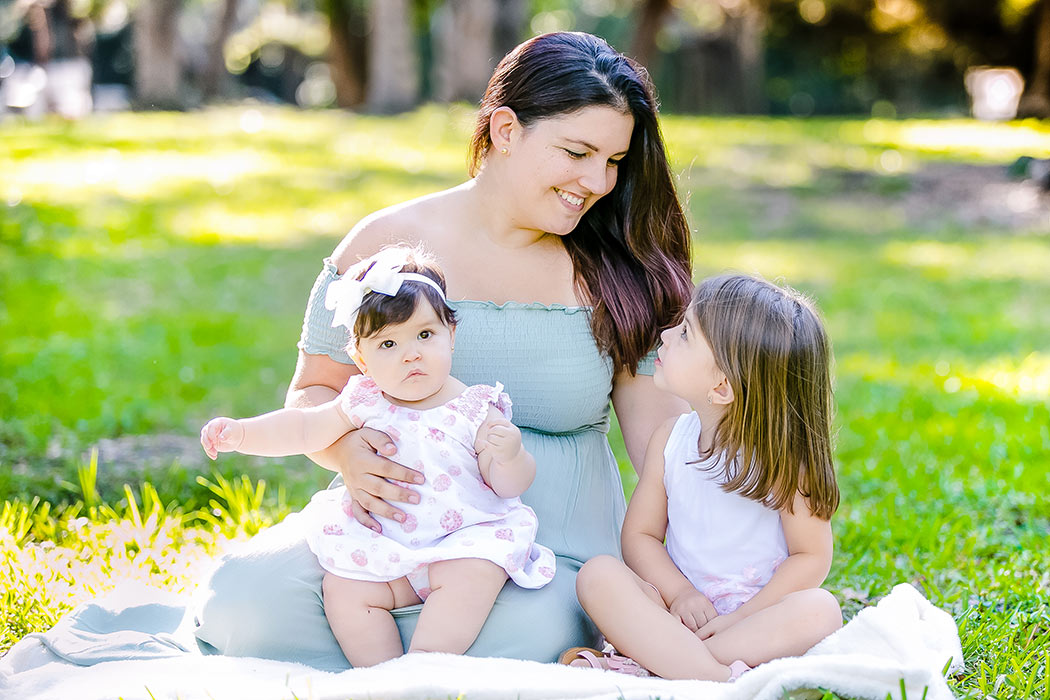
(962, 138)
(1025, 379)
(1028, 380)
(992, 259)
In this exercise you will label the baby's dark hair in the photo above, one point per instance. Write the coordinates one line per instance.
(770, 343)
(377, 310)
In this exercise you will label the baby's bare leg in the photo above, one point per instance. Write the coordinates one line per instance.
(787, 628)
(637, 623)
(463, 591)
(359, 614)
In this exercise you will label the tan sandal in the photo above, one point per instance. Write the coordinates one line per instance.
(608, 661)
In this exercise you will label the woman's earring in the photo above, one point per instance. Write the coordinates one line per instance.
(708, 399)
(504, 151)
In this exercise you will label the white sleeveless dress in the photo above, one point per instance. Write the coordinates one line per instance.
(458, 516)
(727, 546)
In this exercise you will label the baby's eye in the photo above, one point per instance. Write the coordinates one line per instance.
(423, 335)
(387, 344)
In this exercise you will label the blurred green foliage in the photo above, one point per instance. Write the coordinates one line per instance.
(154, 268)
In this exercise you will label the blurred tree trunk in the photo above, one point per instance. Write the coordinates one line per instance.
(347, 49)
(512, 18)
(215, 81)
(1035, 102)
(36, 20)
(393, 62)
(722, 71)
(464, 55)
(652, 17)
(158, 68)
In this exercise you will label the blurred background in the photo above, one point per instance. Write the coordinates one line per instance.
(884, 58)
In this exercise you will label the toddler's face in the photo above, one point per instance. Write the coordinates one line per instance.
(685, 364)
(409, 361)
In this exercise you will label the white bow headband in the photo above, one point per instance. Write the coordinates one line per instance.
(345, 295)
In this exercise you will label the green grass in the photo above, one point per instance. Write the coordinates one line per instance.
(153, 270)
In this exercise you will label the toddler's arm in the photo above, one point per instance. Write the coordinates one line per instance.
(506, 466)
(287, 431)
(642, 539)
(810, 547)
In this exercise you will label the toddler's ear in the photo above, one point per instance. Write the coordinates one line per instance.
(359, 361)
(723, 394)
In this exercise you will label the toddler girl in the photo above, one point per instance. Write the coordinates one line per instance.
(469, 532)
(728, 536)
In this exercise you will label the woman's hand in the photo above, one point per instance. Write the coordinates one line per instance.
(368, 473)
(693, 609)
(221, 435)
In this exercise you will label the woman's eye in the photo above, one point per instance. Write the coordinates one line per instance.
(573, 154)
(614, 163)
(423, 335)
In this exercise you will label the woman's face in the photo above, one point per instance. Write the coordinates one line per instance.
(561, 166)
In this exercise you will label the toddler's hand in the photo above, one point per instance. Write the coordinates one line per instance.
(716, 625)
(503, 438)
(221, 435)
(693, 609)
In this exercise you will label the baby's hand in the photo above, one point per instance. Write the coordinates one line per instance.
(503, 438)
(693, 608)
(221, 435)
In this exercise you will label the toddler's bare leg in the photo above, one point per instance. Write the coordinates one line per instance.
(463, 591)
(359, 614)
(787, 628)
(632, 618)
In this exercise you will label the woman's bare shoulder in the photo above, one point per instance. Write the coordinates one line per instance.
(412, 222)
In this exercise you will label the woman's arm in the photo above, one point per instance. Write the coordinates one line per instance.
(360, 456)
(640, 410)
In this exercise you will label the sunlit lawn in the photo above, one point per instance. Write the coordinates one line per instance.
(153, 271)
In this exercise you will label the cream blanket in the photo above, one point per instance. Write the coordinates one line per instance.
(898, 648)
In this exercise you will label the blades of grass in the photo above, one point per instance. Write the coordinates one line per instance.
(133, 506)
(87, 475)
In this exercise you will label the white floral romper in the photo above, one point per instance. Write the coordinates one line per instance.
(458, 516)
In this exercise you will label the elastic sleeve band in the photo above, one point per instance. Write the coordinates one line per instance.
(318, 336)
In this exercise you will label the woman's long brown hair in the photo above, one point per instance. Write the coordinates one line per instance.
(630, 252)
(772, 347)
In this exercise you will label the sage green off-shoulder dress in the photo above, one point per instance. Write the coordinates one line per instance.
(266, 600)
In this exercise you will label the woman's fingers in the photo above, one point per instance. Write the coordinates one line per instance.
(375, 441)
(387, 491)
(375, 506)
(364, 518)
(379, 441)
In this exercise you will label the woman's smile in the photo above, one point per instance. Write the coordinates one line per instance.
(572, 201)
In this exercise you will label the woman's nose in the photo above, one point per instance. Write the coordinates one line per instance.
(599, 178)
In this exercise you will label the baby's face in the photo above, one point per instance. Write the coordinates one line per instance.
(409, 361)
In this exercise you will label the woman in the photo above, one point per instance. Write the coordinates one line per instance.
(566, 253)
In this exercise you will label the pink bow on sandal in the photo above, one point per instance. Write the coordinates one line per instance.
(608, 661)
